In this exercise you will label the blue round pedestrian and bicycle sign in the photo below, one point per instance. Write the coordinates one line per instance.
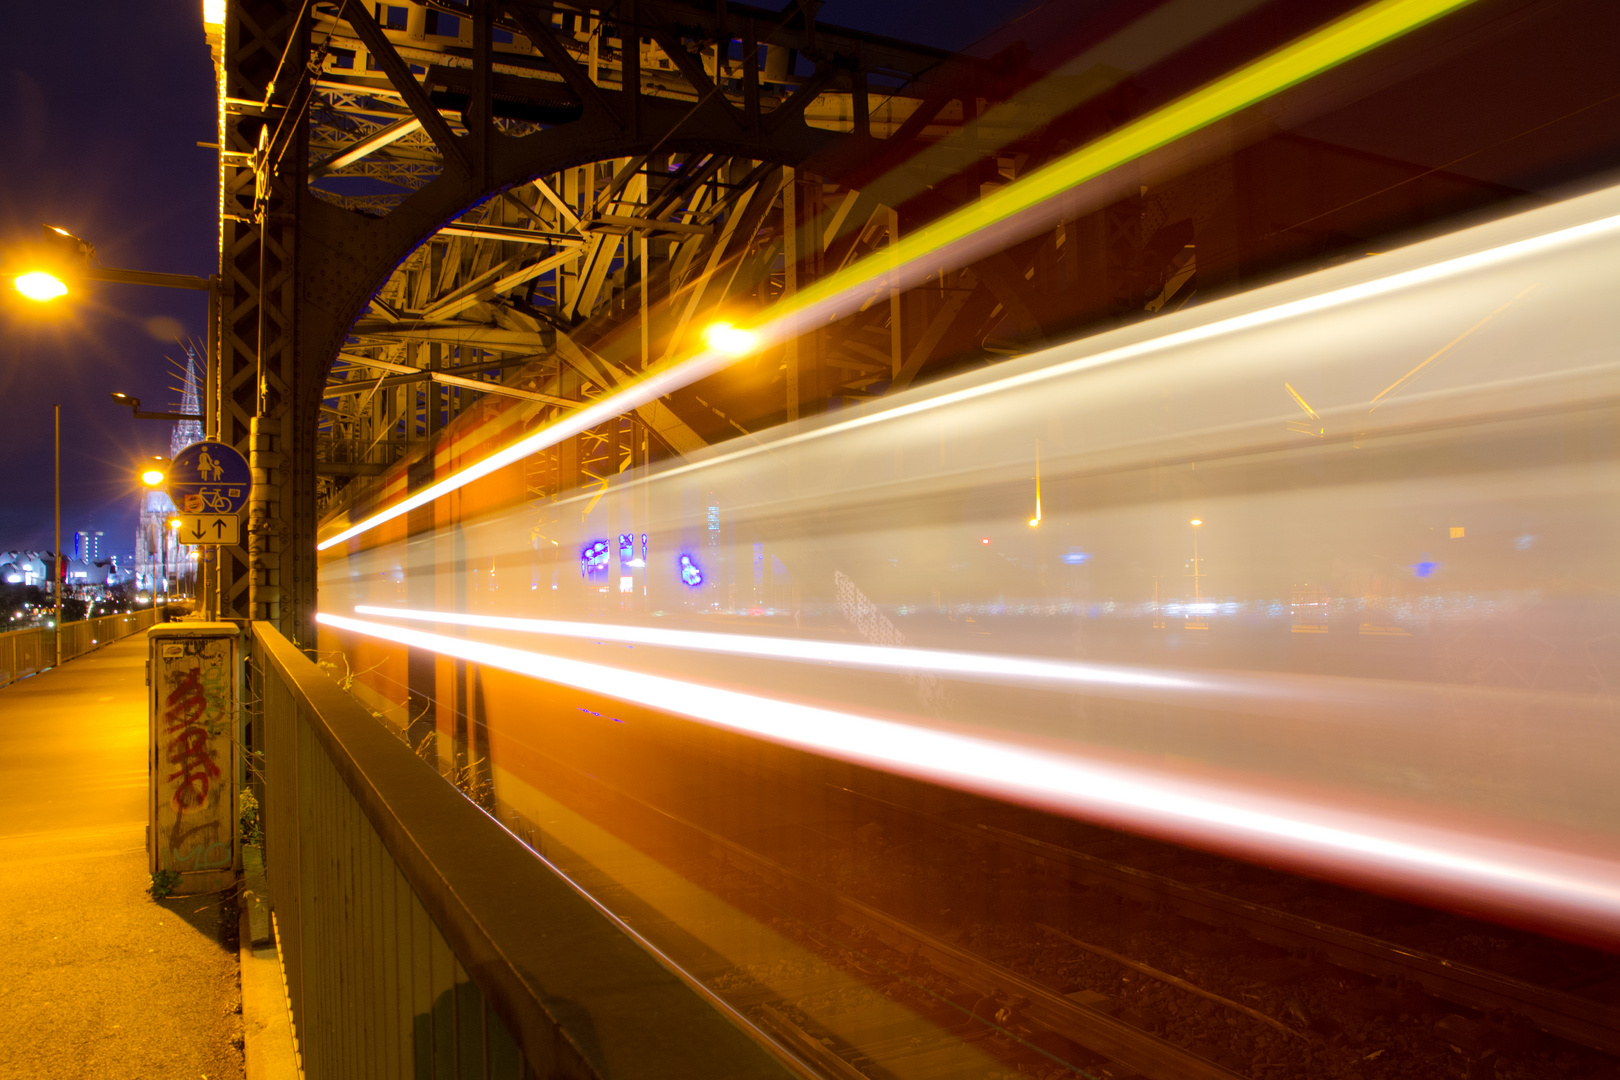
(209, 477)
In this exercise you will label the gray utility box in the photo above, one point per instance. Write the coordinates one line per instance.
(194, 676)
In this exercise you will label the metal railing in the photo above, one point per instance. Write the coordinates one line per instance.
(420, 938)
(28, 652)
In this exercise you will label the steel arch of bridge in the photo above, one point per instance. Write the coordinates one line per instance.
(352, 147)
(449, 202)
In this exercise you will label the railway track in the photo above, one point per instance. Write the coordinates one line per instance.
(1046, 977)
(1009, 1005)
(1580, 1020)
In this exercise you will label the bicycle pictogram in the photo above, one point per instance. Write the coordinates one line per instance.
(211, 501)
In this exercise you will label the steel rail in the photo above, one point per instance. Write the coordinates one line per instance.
(1579, 1020)
(1148, 1054)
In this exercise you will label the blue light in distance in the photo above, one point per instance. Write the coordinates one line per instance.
(690, 572)
(1425, 568)
(594, 557)
(1074, 556)
(627, 546)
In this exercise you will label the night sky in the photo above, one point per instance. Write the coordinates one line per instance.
(101, 107)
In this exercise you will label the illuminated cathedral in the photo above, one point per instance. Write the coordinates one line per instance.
(161, 561)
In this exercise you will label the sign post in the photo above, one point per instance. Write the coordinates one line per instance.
(209, 483)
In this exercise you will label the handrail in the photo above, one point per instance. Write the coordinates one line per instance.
(349, 810)
(31, 650)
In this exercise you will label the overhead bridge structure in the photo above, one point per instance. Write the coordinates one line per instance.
(449, 200)
(787, 479)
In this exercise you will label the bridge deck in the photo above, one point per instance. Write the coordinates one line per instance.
(98, 979)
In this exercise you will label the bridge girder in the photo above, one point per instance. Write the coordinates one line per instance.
(320, 212)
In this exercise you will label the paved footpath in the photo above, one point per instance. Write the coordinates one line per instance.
(97, 979)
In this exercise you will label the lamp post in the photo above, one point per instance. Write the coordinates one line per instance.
(153, 476)
(56, 411)
(1195, 523)
(61, 260)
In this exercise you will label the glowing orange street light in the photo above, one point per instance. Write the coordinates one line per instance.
(729, 340)
(40, 286)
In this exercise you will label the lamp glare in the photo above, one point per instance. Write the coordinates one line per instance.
(152, 477)
(39, 286)
(729, 340)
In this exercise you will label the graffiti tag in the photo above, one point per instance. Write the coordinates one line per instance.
(187, 742)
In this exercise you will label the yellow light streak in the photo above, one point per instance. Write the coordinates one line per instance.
(1301, 402)
(1311, 55)
(1447, 347)
(1036, 520)
(39, 286)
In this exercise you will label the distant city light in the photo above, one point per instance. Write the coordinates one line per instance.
(1425, 568)
(1075, 557)
(984, 539)
(729, 340)
(1195, 522)
(690, 572)
(594, 557)
(39, 286)
(174, 523)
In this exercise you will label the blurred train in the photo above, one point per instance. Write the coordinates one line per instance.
(1322, 575)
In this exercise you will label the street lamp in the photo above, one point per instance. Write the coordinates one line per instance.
(52, 267)
(155, 474)
(134, 404)
(40, 286)
(729, 340)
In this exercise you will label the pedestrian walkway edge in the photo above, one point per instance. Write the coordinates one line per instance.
(267, 1048)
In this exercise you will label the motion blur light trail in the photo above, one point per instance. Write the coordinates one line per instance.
(1372, 666)
(928, 250)
(807, 650)
(1575, 890)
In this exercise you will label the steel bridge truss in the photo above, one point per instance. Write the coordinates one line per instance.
(438, 206)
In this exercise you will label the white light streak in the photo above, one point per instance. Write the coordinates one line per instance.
(1476, 868)
(1294, 309)
(808, 650)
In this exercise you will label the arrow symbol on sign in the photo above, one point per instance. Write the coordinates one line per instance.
(219, 527)
(197, 530)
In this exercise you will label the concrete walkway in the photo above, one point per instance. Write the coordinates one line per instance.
(97, 979)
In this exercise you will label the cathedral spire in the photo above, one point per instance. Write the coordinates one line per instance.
(187, 432)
